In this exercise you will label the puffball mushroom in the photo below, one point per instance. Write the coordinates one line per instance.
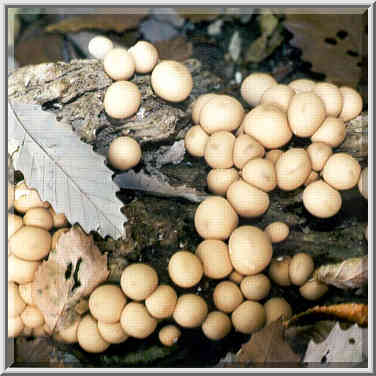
(331, 97)
(15, 222)
(106, 303)
(10, 195)
(276, 308)
(332, 132)
(69, 334)
(38, 217)
(32, 317)
(245, 149)
(219, 150)
(313, 176)
(260, 173)
(236, 277)
(21, 271)
(319, 153)
(221, 113)
(254, 86)
(277, 231)
(99, 46)
(248, 317)
(219, 179)
(268, 125)
(59, 219)
(273, 155)
(124, 153)
(301, 268)
(169, 335)
(292, 168)
(278, 95)
(56, 236)
(279, 271)
(30, 243)
(306, 113)
(250, 250)
(362, 184)
(172, 81)
(195, 141)
(321, 200)
(215, 218)
(198, 104)
(88, 336)
(112, 333)
(138, 281)
(352, 103)
(145, 56)
(161, 303)
(227, 296)
(313, 290)
(247, 200)
(122, 99)
(26, 198)
(15, 326)
(190, 311)
(15, 303)
(136, 321)
(341, 171)
(255, 287)
(119, 64)
(185, 269)
(216, 326)
(215, 258)
(302, 85)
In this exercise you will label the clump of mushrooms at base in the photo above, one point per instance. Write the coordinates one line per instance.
(249, 157)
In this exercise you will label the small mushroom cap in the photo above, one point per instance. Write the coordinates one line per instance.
(313, 176)
(332, 132)
(161, 303)
(215, 258)
(172, 81)
(245, 149)
(352, 103)
(302, 85)
(124, 153)
(145, 56)
(190, 311)
(69, 334)
(254, 86)
(250, 250)
(216, 326)
(321, 200)
(219, 150)
(227, 296)
(278, 95)
(260, 173)
(122, 99)
(15, 303)
(221, 113)
(138, 281)
(26, 198)
(136, 321)
(106, 303)
(215, 218)
(341, 171)
(301, 268)
(39, 217)
(313, 290)
(248, 317)
(169, 335)
(15, 326)
(15, 222)
(255, 287)
(60, 220)
(306, 113)
(277, 231)
(119, 64)
(319, 153)
(88, 336)
(273, 155)
(363, 183)
(236, 277)
(268, 125)
(32, 317)
(219, 179)
(21, 271)
(293, 168)
(112, 333)
(195, 141)
(198, 104)
(279, 271)
(331, 96)
(276, 308)
(99, 46)
(185, 269)
(56, 236)
(247, 200)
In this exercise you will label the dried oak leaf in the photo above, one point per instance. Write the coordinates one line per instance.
(268, 347)
(71, 272)
(104, 22)
(331, 42)
(178, 49)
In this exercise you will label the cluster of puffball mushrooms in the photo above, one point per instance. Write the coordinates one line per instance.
(234, 145)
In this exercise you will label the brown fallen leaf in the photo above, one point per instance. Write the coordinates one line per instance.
(71, 272)
(178, 49)
(268, 348)
(348, 274)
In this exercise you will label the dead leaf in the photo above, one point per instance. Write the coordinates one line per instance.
(178, 49)
(105, 22)
(71, 272)
(348, 274)
(331, 42)
(268, 347)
